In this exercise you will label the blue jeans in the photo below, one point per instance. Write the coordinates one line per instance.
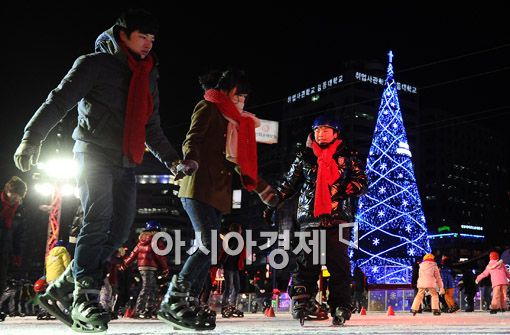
(108, 198)
(204, 218)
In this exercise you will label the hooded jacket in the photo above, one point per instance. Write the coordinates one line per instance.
(302, 177)
(498, 272)
(428, 276)
(98, 84)
(56, 262)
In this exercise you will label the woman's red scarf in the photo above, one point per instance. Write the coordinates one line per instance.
(8, 210)
(139, 107)
(327, 174)
(246, 143)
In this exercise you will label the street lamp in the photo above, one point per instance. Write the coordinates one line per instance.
(57, 178)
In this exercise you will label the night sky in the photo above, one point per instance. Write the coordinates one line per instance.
(283, 50)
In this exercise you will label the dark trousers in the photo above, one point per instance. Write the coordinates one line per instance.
(108, 198)
(339, 267)
(231, 289)
(148, 297)
(5, 255)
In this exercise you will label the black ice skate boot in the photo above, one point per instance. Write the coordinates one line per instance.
(87, 313)
(300, 303)
(341, 315)
(2, 316)
(204, 313)
(227, 311)
(182, 311)
(58, 298)
(254, 306)
(316, 311)
(236, 313)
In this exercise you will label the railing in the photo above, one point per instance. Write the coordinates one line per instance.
(379, 299)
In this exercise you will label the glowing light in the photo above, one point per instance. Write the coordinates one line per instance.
(388, 243)
(44, 188)
(60, 168)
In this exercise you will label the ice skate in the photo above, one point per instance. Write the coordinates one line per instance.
(58, 298)
(316, 311)
(236, 313)
(341, 315)
(182, 311)
(87, 314)
(300, 303)
(226, 311)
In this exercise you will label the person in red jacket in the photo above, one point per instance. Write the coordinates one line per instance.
(148, 264)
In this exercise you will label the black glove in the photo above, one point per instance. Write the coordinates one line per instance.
(186, 168)
(26, 155)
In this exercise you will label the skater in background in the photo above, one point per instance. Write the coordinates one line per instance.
(149, 263)
(499, 278)
(447, 275)
(263, 293)
(468, 286)
(428, 279)
(110, 290)
(230, 265)
(486, 293)
(360, 289)
(57, 261)
(12, 226)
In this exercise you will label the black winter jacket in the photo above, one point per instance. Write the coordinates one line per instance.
(302, 177)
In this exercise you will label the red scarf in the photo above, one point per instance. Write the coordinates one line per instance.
(327, 174)
(139, 107)
(246, 143)
(8, 210)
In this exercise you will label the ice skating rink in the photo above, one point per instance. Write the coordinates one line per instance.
(373, 323)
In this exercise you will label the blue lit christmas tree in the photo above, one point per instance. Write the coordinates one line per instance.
(392, 229)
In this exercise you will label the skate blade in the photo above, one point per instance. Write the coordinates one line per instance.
(81, 327)
(54, 310)
(177, 326)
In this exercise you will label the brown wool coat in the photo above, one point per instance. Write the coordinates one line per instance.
(205, 143)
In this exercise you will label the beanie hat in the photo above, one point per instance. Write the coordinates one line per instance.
(429, 257)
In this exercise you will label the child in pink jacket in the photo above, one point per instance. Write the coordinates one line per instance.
(499, 278)
(428, 279)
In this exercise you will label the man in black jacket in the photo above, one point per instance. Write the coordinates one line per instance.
(117, 95)
(328, 176)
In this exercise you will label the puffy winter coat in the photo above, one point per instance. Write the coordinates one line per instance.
(429, 276)
(145, 257)
(498, 272)
(302, 177)
(56, 262)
